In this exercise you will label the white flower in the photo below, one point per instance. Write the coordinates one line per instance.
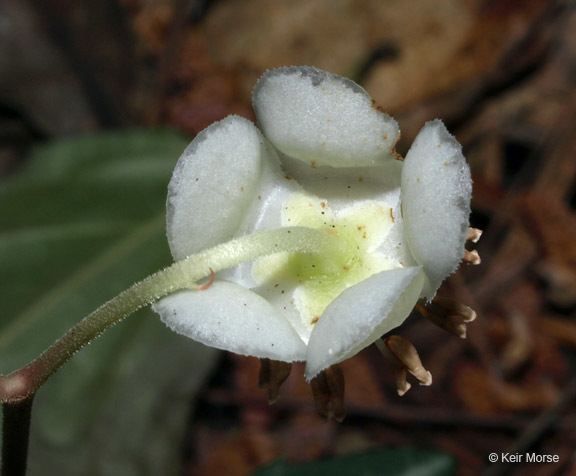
(325, 159)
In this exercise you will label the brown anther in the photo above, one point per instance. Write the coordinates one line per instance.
(402, 384)
(448, 314)
(450, 323)
(471, 257)
(273, 374)
(473, 235)
(452, 307)
(404, 357)
(328, 391)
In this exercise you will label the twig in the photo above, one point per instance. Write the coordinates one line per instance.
(16, 432)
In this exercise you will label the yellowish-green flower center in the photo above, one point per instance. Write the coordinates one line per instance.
(318, 279)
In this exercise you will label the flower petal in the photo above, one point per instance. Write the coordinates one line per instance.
(265, 213)
(361, 314)
(322, 118)
(230, 317)
(213, 185)
(436, 192)
(346, 186)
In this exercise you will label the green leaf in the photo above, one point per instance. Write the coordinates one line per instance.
(83, 222)
(392, 461)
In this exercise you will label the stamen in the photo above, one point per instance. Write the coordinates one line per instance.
(473, 235)
(273, 374)
(328, 391)
(448, 314)
(203, 287)
(448, 323)
(471, 257)
(404, 358)
(454, 307)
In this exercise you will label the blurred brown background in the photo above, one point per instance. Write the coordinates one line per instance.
(500, 73)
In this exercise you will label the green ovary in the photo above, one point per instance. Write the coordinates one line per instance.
(318, 279)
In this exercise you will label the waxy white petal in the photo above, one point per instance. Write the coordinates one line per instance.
(436, 192)
(265, 212)
(345, 186)
(322, 119)
(213, 185)
(362, 314)
(230, 317)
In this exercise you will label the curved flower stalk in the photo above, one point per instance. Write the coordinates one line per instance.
(323, 158)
